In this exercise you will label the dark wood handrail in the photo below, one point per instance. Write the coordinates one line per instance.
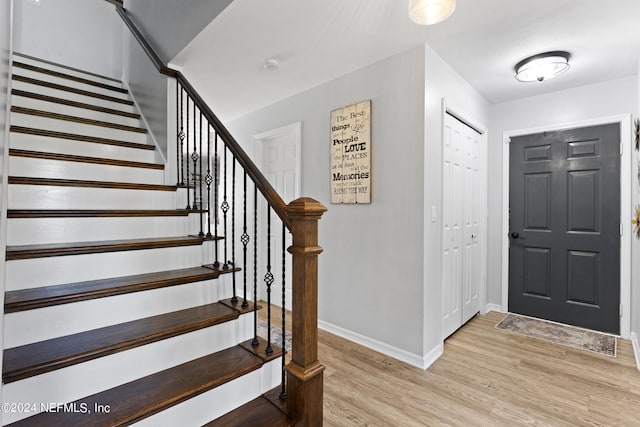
(261, 182)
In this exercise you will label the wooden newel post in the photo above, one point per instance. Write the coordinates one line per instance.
(304, 372)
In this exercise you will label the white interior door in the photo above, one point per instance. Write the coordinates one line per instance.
(462, 192)
(278, 155)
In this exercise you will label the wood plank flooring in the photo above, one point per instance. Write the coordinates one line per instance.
(486, 377)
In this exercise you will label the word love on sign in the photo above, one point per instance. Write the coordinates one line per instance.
(351, 153)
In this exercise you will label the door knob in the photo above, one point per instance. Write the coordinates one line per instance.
(515, 235)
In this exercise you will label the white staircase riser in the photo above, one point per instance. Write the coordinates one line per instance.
(77, 73)
(45, 168)
(32, 231)
(85, 379)
(64, 94)
(70, 83)
(37, 104)
(59, 197)
(80, 148)
(36, 272)
(27, 120)
(217, 402)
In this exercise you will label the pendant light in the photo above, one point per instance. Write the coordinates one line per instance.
(429, 12)
(542, 66)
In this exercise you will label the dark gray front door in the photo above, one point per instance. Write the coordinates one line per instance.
(564, 196)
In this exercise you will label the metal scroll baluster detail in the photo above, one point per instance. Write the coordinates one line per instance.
(232, 261)
(225, 209)
(195, 156)
(208, 179)
(283, 390)
(201, 233)
(179, 145)
(245, 241)
(216, 263)
(268, 280)
(255, 341)
(187, 162)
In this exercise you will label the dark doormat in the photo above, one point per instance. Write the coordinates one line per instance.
(570, 336)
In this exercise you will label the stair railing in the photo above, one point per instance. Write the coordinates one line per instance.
(232, 197)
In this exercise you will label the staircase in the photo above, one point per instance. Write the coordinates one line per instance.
(114, 313)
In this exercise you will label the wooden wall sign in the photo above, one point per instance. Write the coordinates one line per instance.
(351, 153)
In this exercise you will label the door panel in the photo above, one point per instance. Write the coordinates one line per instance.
(564, 258)
(461, 226)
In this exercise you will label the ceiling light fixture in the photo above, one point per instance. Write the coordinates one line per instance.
(542, 66)
(429, 12)
(271, 64)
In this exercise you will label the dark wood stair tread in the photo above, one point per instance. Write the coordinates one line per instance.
(47, 71)
(46, 356)
(89, 213)
(81, 138)
(75, 119)
(81, 248)
(83, 159)
(46, 296)
(76, 104)
(259, 412)
(71, 89)
(66, 67)
(149, 395)
(22, 180)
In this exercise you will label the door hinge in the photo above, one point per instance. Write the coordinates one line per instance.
(621, 229)
(620, 310)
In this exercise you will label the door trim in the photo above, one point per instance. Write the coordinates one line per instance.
(625, 206)
(468, 120)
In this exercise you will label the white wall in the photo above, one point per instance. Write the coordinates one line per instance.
(5, 55)
(441, 82)
(604, 99)
(371, 270)
(169, 25)
(84, 34)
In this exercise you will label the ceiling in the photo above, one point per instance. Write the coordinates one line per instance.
(317, 41)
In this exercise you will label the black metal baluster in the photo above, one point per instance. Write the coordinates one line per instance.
(225, 209)
(268, 280)
(232, 261)
(208, 180)
(181, 136)
(245, 240)
(179, 130)
(194, 157)
(201, 234)
(255, 341)
(187, 162)
(283, 390)
(216, 263)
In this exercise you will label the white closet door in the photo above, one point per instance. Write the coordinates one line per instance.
(462, 182)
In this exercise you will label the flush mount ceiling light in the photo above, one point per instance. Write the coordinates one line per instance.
(542, 66)
(429, 12)
(271, 64)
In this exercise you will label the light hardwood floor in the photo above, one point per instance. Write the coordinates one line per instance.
(486, 377)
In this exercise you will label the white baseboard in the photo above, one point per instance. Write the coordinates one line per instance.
(422, 362)
(493, 307)
(636, 348)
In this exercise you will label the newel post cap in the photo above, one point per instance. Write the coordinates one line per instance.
(305, 208)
